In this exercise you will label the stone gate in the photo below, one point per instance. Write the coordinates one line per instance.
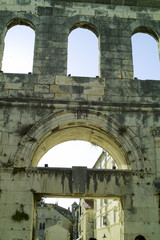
(47, 107)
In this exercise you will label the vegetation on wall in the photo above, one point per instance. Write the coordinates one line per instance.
(20, 215)
(18, 170)
(24, 129)
(122, 130)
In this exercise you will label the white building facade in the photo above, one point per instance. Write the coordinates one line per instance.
(107, 212)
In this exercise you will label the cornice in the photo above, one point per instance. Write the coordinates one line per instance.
(105, 105)
(136, 3)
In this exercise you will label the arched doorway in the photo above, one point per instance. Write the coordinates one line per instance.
(89, 126)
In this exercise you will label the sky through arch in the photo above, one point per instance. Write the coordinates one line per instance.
(72, 153)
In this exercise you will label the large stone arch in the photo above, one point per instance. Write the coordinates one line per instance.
(86, 125)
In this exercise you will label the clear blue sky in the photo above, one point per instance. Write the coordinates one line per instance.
(19, 45)
(145, 57)
(18, 57)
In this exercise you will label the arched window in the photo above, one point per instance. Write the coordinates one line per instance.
(83, 53)
(43, 225)
(40, 226)
(145, 56)
(18, 50)
(140, 237)
(115, 215)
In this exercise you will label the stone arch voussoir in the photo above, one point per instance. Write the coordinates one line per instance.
(20, 21)
(143, 27)
(84, 22)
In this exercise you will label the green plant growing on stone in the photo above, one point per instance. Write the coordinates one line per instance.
(18, 170)
(25, 129)
(33, 233)
(122, 131)
(32, 139)
(20, 215)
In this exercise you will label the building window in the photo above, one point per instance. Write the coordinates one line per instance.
(105, 220)
(95, 205)
(101, 203)
(145, 54)
(95, 224)
(140, 237)
(18, 50)
(101, 221)
(54, 219)
(59, 220)
(115, 215)
(43, 226)
(83, 53)
(40, 226)
(49, 220)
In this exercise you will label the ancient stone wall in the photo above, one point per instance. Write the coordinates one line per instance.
(115, 111)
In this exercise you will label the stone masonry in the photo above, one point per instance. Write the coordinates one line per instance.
(47, 107)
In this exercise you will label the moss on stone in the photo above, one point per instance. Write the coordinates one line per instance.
(122, 130)
(20, 216)
(18, 170)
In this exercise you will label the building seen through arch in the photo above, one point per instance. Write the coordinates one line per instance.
(101, 218)
(90, 217)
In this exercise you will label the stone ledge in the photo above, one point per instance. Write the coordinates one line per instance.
(138, 3)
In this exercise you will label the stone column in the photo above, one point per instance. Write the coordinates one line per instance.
(16, 207)
(141, 212)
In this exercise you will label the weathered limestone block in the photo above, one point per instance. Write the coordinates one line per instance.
(16, 207)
